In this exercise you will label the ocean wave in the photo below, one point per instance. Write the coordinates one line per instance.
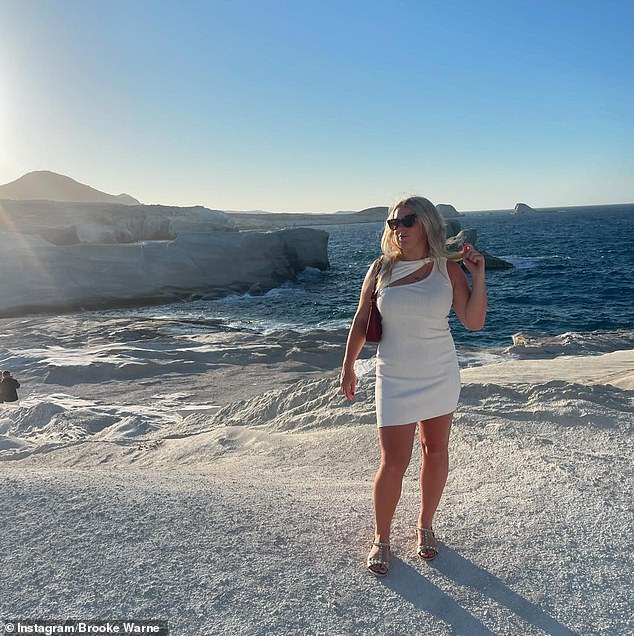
(529, 262)
(539, 345)
(477, 357)
(310, 274)
(307, 276)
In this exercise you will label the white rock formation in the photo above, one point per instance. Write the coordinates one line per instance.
(37, 275)
(522, 208)
(69, 223)
(448, 211)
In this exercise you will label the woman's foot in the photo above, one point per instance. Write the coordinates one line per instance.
(379, 558)
(427, 547)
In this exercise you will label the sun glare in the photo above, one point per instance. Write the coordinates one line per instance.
(3, 111)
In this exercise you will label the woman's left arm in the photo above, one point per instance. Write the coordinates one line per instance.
(469, 303)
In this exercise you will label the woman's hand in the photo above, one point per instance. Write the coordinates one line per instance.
(348, 382)
(472, 259)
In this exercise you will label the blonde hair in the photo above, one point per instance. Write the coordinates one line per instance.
(434, 226)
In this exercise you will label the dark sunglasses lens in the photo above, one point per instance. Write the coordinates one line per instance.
(406, 221)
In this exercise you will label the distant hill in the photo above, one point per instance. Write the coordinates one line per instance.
(378, 213)
(50, 186)
(267, 220)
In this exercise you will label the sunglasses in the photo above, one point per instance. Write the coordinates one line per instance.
(406, 221)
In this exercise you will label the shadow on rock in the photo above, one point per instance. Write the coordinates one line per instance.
(415, 588)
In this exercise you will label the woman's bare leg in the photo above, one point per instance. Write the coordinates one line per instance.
(434, 440)
(396, 451)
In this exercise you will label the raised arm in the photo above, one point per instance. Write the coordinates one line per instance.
(469, 303)
(356, 337)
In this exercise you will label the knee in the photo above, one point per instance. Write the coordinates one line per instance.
(395, 466)
(434, 451)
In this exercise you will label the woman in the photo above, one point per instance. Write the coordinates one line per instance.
(417, 375)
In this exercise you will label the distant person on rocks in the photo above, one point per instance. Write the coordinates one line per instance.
(8, 386)
(417, 374)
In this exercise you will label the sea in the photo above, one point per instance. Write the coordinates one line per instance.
(572, 273)
(134, 372)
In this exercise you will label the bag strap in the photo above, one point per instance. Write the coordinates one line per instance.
(377, 271)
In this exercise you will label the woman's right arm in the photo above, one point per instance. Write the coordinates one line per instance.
(356, 337)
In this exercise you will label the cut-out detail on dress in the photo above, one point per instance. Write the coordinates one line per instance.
(408, 270)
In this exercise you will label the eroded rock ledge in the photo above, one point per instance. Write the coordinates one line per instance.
(63, 223)
(40, 275)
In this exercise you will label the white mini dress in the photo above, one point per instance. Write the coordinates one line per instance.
(417, 374)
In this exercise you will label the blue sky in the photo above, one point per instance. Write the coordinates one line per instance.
(323, 106)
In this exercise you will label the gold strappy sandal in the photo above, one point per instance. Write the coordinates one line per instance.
(381, 560)
(427, 547)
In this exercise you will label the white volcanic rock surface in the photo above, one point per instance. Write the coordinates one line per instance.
(38, 275)
(448, 211)
(58, 255)
(69, 223)
(255, 518)
(523, 208)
